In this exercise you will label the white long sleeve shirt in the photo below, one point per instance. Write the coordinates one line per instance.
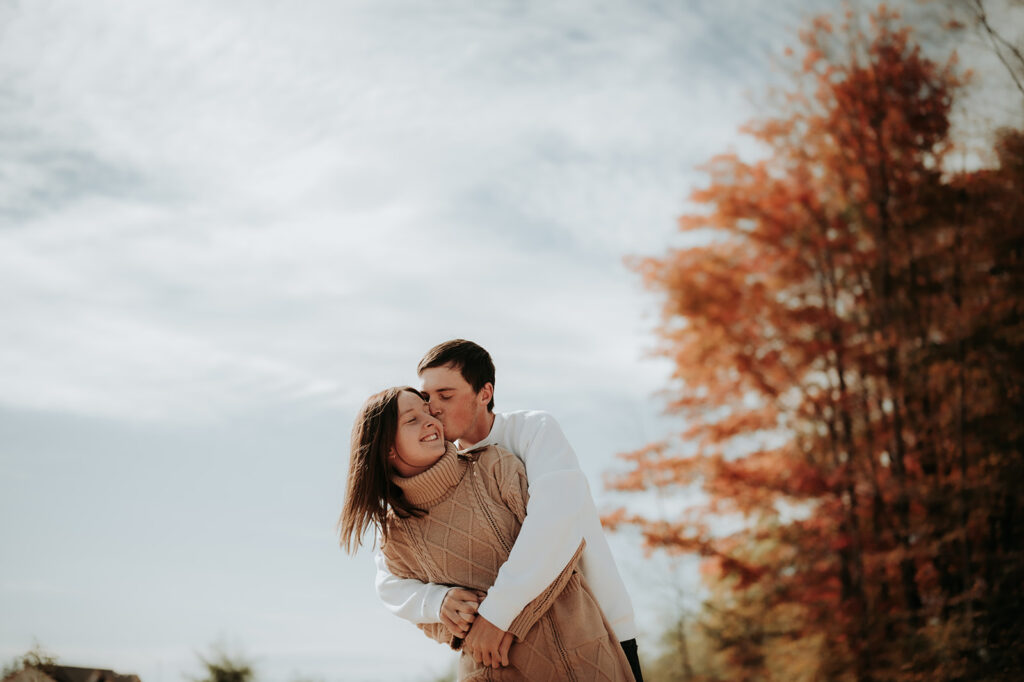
(560, 513)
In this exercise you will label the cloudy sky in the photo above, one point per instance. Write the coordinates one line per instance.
(223, 224)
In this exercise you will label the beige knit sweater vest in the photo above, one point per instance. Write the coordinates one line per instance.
(475, 506)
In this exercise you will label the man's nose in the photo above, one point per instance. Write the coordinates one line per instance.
(432, 408)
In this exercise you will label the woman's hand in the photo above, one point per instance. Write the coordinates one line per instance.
(458, 610)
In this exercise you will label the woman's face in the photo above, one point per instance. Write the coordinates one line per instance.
(419, 441)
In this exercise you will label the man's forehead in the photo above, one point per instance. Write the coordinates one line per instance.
(445, 378)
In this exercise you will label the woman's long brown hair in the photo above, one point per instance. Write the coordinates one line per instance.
(369, 491)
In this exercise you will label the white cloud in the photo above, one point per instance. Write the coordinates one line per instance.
(218, 209)
(217, 205)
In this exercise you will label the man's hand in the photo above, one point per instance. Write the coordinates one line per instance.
(459, 609)
(487, 643)
(503, 648)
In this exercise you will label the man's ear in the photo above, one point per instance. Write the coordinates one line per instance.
(486, 393)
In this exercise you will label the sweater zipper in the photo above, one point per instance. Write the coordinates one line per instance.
(487, 512)
(562, 653)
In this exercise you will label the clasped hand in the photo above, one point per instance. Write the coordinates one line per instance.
(484, 641)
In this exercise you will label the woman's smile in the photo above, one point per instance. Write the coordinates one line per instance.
(419, 441)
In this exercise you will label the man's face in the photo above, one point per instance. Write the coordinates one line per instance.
(453, 400)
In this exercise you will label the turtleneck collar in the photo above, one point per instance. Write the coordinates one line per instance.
(427, 488)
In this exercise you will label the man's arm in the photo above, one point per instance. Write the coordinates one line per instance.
(487, 644)
(490, 646)
(551, 532)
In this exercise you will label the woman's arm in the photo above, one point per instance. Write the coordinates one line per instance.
(415, 601)
(408, 598)
(396, 557)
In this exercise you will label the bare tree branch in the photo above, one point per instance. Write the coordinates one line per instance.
(982, 17)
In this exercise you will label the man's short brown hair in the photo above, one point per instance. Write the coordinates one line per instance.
(473, 362)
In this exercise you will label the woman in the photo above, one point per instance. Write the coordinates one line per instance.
(452, 519)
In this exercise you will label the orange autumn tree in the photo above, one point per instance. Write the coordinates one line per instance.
(847, 360)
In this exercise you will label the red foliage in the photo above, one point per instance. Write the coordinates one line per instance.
(848, 348)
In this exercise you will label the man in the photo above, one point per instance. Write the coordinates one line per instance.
(458, 378)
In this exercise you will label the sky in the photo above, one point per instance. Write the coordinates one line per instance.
(224, 224)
